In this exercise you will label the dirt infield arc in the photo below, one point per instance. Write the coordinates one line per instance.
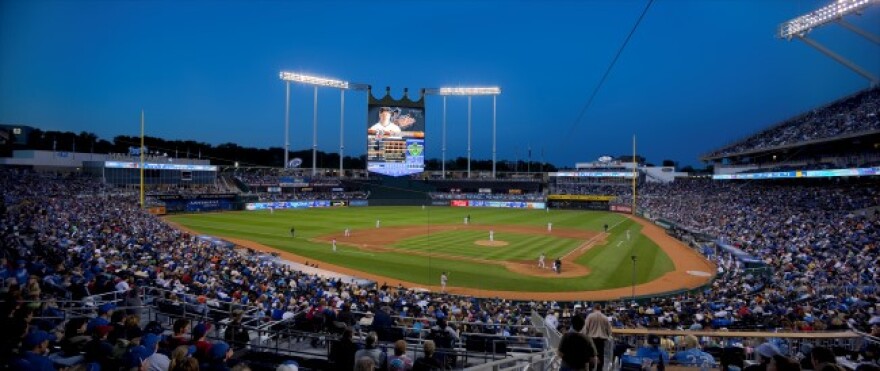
(684, 259)
(381, 241)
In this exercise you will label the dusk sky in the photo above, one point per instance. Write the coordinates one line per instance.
(696, 74)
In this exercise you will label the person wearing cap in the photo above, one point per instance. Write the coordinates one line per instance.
(385, 127)
(99, 350)
(692, 355)
(157, 361)
(199, 339)
(765, 353)
(217, 357)
(105, 311)
(136, 359)
(653, 352)
(34, 348)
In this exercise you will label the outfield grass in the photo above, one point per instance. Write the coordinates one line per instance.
(610, 264)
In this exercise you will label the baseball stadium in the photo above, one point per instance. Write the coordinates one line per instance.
(435, 241)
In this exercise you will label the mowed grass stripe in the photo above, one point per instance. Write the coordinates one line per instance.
(611, 267)
(461, 243)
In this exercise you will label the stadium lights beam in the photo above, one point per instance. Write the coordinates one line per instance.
(800, 26)
(468, 92)
(830, 13)
(313, 80)
(292, 77)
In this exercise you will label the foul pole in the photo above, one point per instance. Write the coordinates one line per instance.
(142, 160)
(635, 174)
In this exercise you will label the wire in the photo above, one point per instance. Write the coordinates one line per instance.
(608, 70)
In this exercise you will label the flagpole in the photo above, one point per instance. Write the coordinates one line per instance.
(142, 159)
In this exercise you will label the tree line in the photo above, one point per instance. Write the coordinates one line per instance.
(228, 154)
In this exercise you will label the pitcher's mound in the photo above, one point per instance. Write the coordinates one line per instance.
(490, 243)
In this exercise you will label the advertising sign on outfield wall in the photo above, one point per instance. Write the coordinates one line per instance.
(286, 205)
(621, 209)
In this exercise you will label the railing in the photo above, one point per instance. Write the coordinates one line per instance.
(544, 361)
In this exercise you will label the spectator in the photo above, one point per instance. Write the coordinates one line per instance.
(765, 353)
(399, 361)
(692, 356)
(598, 329)
(342, 352)
(370, 351)
(653, 352)
(427, 362)
(577, 350)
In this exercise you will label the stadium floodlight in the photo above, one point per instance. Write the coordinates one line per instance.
(494, 91)
(313, 80)
(799, 27)
(469, 91)
(830, 13)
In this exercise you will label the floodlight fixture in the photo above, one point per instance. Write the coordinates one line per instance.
(469, 91)
(313, 80)
(800, 26)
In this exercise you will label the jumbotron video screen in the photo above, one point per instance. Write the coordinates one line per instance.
(396, 140)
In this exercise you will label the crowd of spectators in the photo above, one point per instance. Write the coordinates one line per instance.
(67, 238)
(65, 241)
(851, 115)
(821, 249)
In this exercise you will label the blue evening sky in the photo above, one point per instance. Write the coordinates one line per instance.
(696, 74)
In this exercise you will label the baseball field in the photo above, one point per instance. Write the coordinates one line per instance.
(414, 245)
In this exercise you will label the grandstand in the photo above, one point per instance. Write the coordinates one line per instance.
(796, 258)
(115, 260)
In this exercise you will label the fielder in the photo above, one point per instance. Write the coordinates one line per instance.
(347, 232)
(334, 245)
(443, 279)
(549, 227)
(541, 262)
(378, 223)
(627, 234)
(491, 235)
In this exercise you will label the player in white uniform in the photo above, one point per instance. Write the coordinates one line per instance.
(334, 245)
(549, 227)
(491, 235)
(347, 232)
(378, 223)
(541, 262)
(443, 279)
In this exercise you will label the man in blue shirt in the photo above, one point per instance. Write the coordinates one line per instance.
(34, 347)
(692, 355)
(653, 351)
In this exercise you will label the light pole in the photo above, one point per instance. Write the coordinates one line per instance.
(286, 124)
(469, 93)
(443, 166)
(289, 77)
(315, 133)
(634, 279)
(469, 138)
(341, 129)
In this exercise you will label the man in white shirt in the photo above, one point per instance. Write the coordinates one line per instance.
(551, 321)
(385, 128)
